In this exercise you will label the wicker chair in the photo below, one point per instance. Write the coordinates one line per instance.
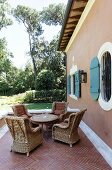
(20, 110)
(59, 109)
(68, 132)
(24, 137)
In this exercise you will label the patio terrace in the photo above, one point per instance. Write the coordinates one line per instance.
(53, 155)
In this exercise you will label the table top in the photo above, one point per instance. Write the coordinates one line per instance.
(43, 118)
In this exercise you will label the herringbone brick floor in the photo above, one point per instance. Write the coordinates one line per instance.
(52, 155)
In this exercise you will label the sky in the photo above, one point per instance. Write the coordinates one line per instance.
(16, 36)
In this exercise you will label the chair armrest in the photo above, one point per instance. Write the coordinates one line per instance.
(34, 130)
(61, 125)
(29, 114)
(64, 116)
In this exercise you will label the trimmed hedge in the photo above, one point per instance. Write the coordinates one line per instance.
(45, 96)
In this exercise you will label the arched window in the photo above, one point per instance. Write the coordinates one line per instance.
(106, 76)
(105, 60)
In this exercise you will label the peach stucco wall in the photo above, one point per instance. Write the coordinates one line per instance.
(95, 31)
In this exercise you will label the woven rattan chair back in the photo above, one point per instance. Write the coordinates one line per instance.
(25, 138)
(74, 119)
(59, 108)
(20, 110)
(17, 127)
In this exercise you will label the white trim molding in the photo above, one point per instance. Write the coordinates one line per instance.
(104, 104)
(80, 23)
(102, 147)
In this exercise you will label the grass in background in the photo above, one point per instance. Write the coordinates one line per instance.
(39, 106)
(5, 107)
(7, 101)
(36, 106)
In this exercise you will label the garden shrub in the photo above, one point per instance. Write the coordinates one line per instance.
(45, 80)
(50, 95)
(28, 97)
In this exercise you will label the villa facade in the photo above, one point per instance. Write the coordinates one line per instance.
(86, 37)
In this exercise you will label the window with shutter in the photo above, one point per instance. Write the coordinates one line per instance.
(73, 84)
(77, 84)
(69, 84)
(105, 60)
(106, 76)
(95, 78)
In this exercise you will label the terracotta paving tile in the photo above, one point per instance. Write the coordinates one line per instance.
(52, 155)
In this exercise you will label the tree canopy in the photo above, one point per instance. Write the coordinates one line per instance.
(4, 10)
(48, 64)
(53, 14)
(31, 20)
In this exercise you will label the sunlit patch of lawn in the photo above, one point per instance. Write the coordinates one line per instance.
(5, 107)
(36, 106)
(39, 106)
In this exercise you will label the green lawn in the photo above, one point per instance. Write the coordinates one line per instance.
(39, 106)
(30, 106)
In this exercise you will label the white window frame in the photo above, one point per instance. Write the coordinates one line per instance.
(72, 72)
(104, 104)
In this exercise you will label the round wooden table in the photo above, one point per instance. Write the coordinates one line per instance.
(44, 119)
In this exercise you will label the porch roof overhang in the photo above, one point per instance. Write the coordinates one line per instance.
(73, 13)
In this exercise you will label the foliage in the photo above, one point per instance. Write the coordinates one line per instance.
(53, 14)
(5, 67)
(12, 99)
(35, 97)
(23, 81)
(16, 81)
(31, 20)
(45, 80)
(55, 62)
(51, 59)
(29, 97)
(50, 95)
(4, 10)
(48, 63)
(5, 56)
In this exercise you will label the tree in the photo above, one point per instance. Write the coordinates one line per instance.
(5, 56)
(56, 63)
(45, 80)
(4, 10)
(55, 60)
(53, 14)
(6, 67)
(31, 20)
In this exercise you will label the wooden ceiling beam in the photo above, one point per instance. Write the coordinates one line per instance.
(67, 34)
(63, 44)
(65, 38)
(72, 22)
(82, 0)
(80, 9)
(70, 28)
(75, 16)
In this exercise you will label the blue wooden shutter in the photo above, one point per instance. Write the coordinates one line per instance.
(95, 78)
(77, 84)
(74, 84)
(69, 84)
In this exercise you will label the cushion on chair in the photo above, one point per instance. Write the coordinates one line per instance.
(20, 110)
(60, 106)
(58, 112)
